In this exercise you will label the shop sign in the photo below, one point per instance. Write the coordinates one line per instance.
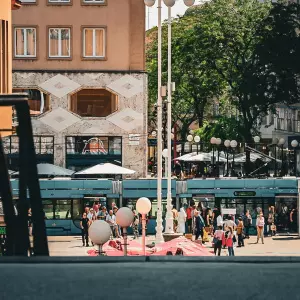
(134, 139)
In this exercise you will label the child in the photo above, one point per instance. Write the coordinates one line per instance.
(273, 229)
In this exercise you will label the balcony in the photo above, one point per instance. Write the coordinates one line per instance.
(287, 125)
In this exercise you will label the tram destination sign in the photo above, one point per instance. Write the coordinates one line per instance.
(245, 194)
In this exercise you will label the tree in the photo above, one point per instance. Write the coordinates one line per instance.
(196, 83)
(243, 41)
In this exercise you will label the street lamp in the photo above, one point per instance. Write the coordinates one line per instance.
(256, 141)
(295, 144)
(99, 233)
(274, 143)
(281, 143)
(159, 227)
(165, 155)
(124, 218)
(227, 145)
(213, 141)
(143, 206)
(218, 143)
(233, 145)
(197, 141)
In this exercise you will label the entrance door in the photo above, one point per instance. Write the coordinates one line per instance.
(286, 213)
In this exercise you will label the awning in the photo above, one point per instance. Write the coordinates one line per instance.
(106, 169)
(203, 156)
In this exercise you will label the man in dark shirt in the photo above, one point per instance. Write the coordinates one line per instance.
(84, 224)
(177, 169)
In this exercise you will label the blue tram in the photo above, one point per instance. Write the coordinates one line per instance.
(64, 200)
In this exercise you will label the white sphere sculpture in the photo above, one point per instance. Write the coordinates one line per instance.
(213, 140)
(227, 143)
(169, 3)
(294, 143)
(124, 217)
(149, 2)
(281, 141)
(218, 141)
(197, 139)
(190, 138)
(233, 144)
(256, 139)
(143, 205)
(189, 2)
(99, 232)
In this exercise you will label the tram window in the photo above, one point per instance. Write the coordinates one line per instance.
(48, 209)
(153, 212)
(63, 209)
(77, 209)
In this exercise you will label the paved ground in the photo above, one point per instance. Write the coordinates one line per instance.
(277, 246)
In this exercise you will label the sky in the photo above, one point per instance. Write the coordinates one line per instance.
(178, 9)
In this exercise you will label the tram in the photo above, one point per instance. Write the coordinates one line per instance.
(64, 200)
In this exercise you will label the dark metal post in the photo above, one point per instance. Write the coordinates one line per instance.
(295, 162)
(232, 166)
(275, 154)
(218, 165)
(227, 168)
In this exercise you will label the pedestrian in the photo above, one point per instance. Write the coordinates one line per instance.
(199, 225)
(118, 228)
(111, 220)
(102, 214)
(29, 222)
(271, 219)
(260, 224)
(229, 241)
(273, 229)
(84, 224)
(175, 218)
(209, 219)
(178, 170)
(181, 221)
(189, 216)
(247, 223)
(239, 231)
(135, 225)
(217, 240)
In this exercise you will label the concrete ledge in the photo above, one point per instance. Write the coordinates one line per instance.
(171, 236)
(154, 259)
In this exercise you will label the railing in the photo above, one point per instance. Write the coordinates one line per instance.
(287, 125)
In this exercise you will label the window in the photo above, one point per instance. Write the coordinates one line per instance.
(38, 101)
(25, 42)
(94, 103)
(93, 42)
(57, 209)
(93, 2)
(59, 42)
(59, 1)
(28, 1)
(89, 145)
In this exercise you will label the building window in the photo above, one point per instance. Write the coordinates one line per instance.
(91, 145)
(25, 42)
(42, 144)
(38, 101)
(59, 42)
(93, 2)
(29, 1)
(93, 42)
(59, 2)
(94, 103)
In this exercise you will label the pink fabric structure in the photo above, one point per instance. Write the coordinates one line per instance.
(188, 247)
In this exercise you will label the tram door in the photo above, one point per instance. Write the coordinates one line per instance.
(286, 213)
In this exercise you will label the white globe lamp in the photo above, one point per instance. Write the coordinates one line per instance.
(213, 140)
(294, 143)
(99, 233)
(227, 143)
(190, 138)
(189, 2)
(124, 218)
(281, 141)
(197, 139)
(218, 141)
(169, 3)
(149, 2)
(143, 206)
(256, 139)
(233, 144)
(165, 153)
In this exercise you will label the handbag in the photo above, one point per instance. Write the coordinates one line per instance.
(215, 240)
(234, 239)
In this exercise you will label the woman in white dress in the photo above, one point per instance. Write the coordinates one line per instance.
(181, 221)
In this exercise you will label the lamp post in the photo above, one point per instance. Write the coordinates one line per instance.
(165, 155)
(256, 141)
(295, 144)
(227, 145)
(99, 233)
(233, 145)
(281, 143)
(159, 227)
(143, 206)
(197, 141)
(218, 143)
(274, 143)
(124, 218)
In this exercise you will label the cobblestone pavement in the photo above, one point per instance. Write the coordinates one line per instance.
(277, 246)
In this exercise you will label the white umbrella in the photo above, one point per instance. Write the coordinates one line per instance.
(241, 158)
(203, 156)
(105, 169)
(186, 156)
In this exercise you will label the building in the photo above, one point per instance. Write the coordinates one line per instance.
(6, 6)
(82, 62)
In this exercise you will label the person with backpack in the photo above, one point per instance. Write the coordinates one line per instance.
(247, 223)
(135, 225)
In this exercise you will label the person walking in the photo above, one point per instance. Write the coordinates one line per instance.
(271, 219)
(247, 223)
(260, 224)
(111, 220)
(199, 225)
(229, 241)
(190, 214)
(181, 221)
(84, 224)
(239, 231)
(217, 241)
(135, 225)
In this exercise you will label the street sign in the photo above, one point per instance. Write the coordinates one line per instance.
(134, 139)
(2, 230)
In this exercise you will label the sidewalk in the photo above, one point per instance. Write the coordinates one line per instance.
(278, 246)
